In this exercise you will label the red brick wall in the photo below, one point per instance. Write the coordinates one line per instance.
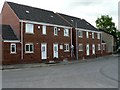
(9, 58)
(37, 38)
(85, 41)
(10, 18)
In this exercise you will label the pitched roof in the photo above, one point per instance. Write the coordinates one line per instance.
(107, 32)
(77, 22)
(35, 14)
(7, 33)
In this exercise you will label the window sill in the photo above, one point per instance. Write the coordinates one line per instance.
(29, 52)
(80, 50)
(66, 36)
(13, 53)
(80, 36)
(29, 33)
(66, 51)
(55, 35)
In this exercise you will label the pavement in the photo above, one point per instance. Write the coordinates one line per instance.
(34, 65)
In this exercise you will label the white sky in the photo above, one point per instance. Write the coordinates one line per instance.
(86, 9)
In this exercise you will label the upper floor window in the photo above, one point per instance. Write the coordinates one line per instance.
(93, 35)
(98, 46)
(80, 33)
(29, 28)
(55, 31)
(98, 36)
(44, 30)
(87, 35)
(66, 47)
(29, 48)
(80, 47)
(13, 48)
(66, 32)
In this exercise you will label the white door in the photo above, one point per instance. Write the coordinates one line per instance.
(93, 49)
(44, 51)
(87, 49)
(55, 50)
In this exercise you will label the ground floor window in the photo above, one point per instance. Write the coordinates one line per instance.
(103, 46)
(98, 46)
(66, 47)
(13, 48)
(29, 47)
(93, 48)
(80, 47)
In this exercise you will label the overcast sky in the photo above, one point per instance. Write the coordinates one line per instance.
(86, 9)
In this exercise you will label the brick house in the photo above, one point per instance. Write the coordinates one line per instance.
(37, 35)
(110, 41)
(42, 35)
(86, 38)
(10, 45)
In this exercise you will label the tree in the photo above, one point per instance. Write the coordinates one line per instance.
(105, 23)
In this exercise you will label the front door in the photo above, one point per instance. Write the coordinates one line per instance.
(93, 49)
(44, 51)
(87, 49)
(55, 50)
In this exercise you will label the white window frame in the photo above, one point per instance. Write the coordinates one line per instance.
(66, 49)
(11, 48)
(93, 35)
(87, 34)
(44, 30)
(55, 31)
(66, 31)
(98, 35)
(29, 48)
(99, 48)
(29, 28)
(80, 47)
(93, 52)
(80, 34)
(103, 46)
(87, 49)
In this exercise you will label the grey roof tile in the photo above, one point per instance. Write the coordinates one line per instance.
(77, 22)
(35, 14)
(7, 32)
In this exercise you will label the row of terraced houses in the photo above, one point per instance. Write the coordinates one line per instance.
(32, 35)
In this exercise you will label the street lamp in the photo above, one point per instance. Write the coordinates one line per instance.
(76, 39)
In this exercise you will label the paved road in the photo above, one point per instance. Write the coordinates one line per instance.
(97, 74)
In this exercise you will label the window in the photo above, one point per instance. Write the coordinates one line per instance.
(29, 48)
(80, 34)
(103, 46)
(93, 48)
(55, 31)
(44, 30)
(98, 46)
(98, 36)
(80, 47)
(13, 48)
(66, 32)
(92, 35)
(29, 28)
(66, 47)
(87, 35)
